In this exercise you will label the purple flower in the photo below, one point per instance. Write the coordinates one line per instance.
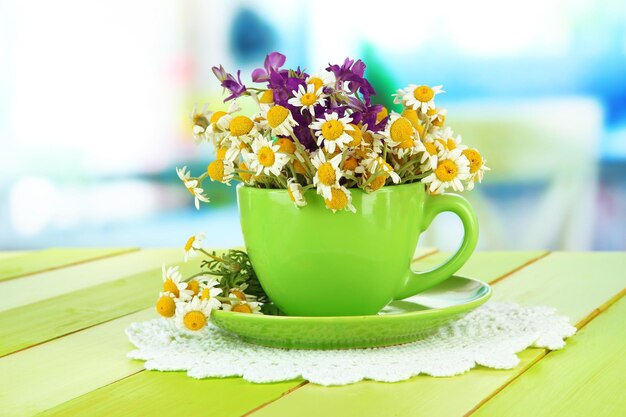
(352, 72)
(228, 81)
(272, 63)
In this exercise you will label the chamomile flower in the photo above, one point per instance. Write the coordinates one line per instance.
(208, 292)
(477, 167)
(437, 116)
(433, 151)
(356, 134)
(295, 192)
(307, 98)
(218, 121)
(319, 81)
(221, 170)
(331, 130)
(418, 97)
(192, 186)
(372, 141)
(279, 120)
(242, 306)
(265, 158)
(193, 315)
(166, 304)
(350, 164)
(240, 128)
(339, 199)
(401, 135)
(374, 163)
(193, 245)
(173, 285)
(200, 123)
(327, 174)
(265, 100)
(451, 170)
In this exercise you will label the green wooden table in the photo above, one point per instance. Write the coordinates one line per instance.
(62, 345)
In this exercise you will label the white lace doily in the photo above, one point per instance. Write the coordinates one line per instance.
(489, 336)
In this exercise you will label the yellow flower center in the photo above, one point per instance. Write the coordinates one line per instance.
(420, 130)
(241, 125)
(475, 159)
(442, 142)
(326, 174)
(242, 308)
(317, 82)
(200, 120)
(216, 116)
(368, 137)
(381, 115)
(412, 116)
(239, 294)
(446, 170)
(194, 286)
(430, 148)
(451, 144)
(266, 156)
(189, 243)
(356, 134)
(244, 175)
(423, 93)
(170, 286)
(401, 130)
(406, 144)
(332, 129)
(350, 163)
(166, 306)
(221, 152)
(205, 294)
(378, 182)
(338, 201)
(276, 115)
(297, 165)
(308, 99)
(194, 320)
(286, 146)
(216, 170)
(439, 121)
(267, 97)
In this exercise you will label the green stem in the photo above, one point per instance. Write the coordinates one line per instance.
(214, 257)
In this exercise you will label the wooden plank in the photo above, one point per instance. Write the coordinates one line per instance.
(574, 283)
(57, 316)
(49, 259)
(39, 287)
(586, 379)
(131, 393)
(98, 359)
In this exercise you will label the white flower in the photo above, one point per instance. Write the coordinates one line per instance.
(200, 122)
(477, 167)
(433, 151)
(452, 169)
(265, 157)
(193, 315)
(340, 199)
(418, 97)
(239, 128)
(327, 173)
(193, 244)
(221, 170)
(265, 100)
(295, 193)
(319, 81)
(279, 120)
(166, 305)
(218, 121)
(402, 136)
(242, 306)
(331, 130)
(192, 186)
(208, 291)
(173, 285)
(307, 98)
(374, 163)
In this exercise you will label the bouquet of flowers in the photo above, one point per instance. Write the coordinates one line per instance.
(322, 131)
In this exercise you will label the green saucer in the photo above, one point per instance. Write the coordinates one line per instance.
(400, 322)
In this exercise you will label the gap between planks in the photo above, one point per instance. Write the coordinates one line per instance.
(582, 323)
(500, 278)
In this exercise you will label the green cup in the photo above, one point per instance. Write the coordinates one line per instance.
(313, 262)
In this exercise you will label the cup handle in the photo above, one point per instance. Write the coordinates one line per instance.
(415, 282)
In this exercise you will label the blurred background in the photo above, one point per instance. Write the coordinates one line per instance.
(95, 97)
